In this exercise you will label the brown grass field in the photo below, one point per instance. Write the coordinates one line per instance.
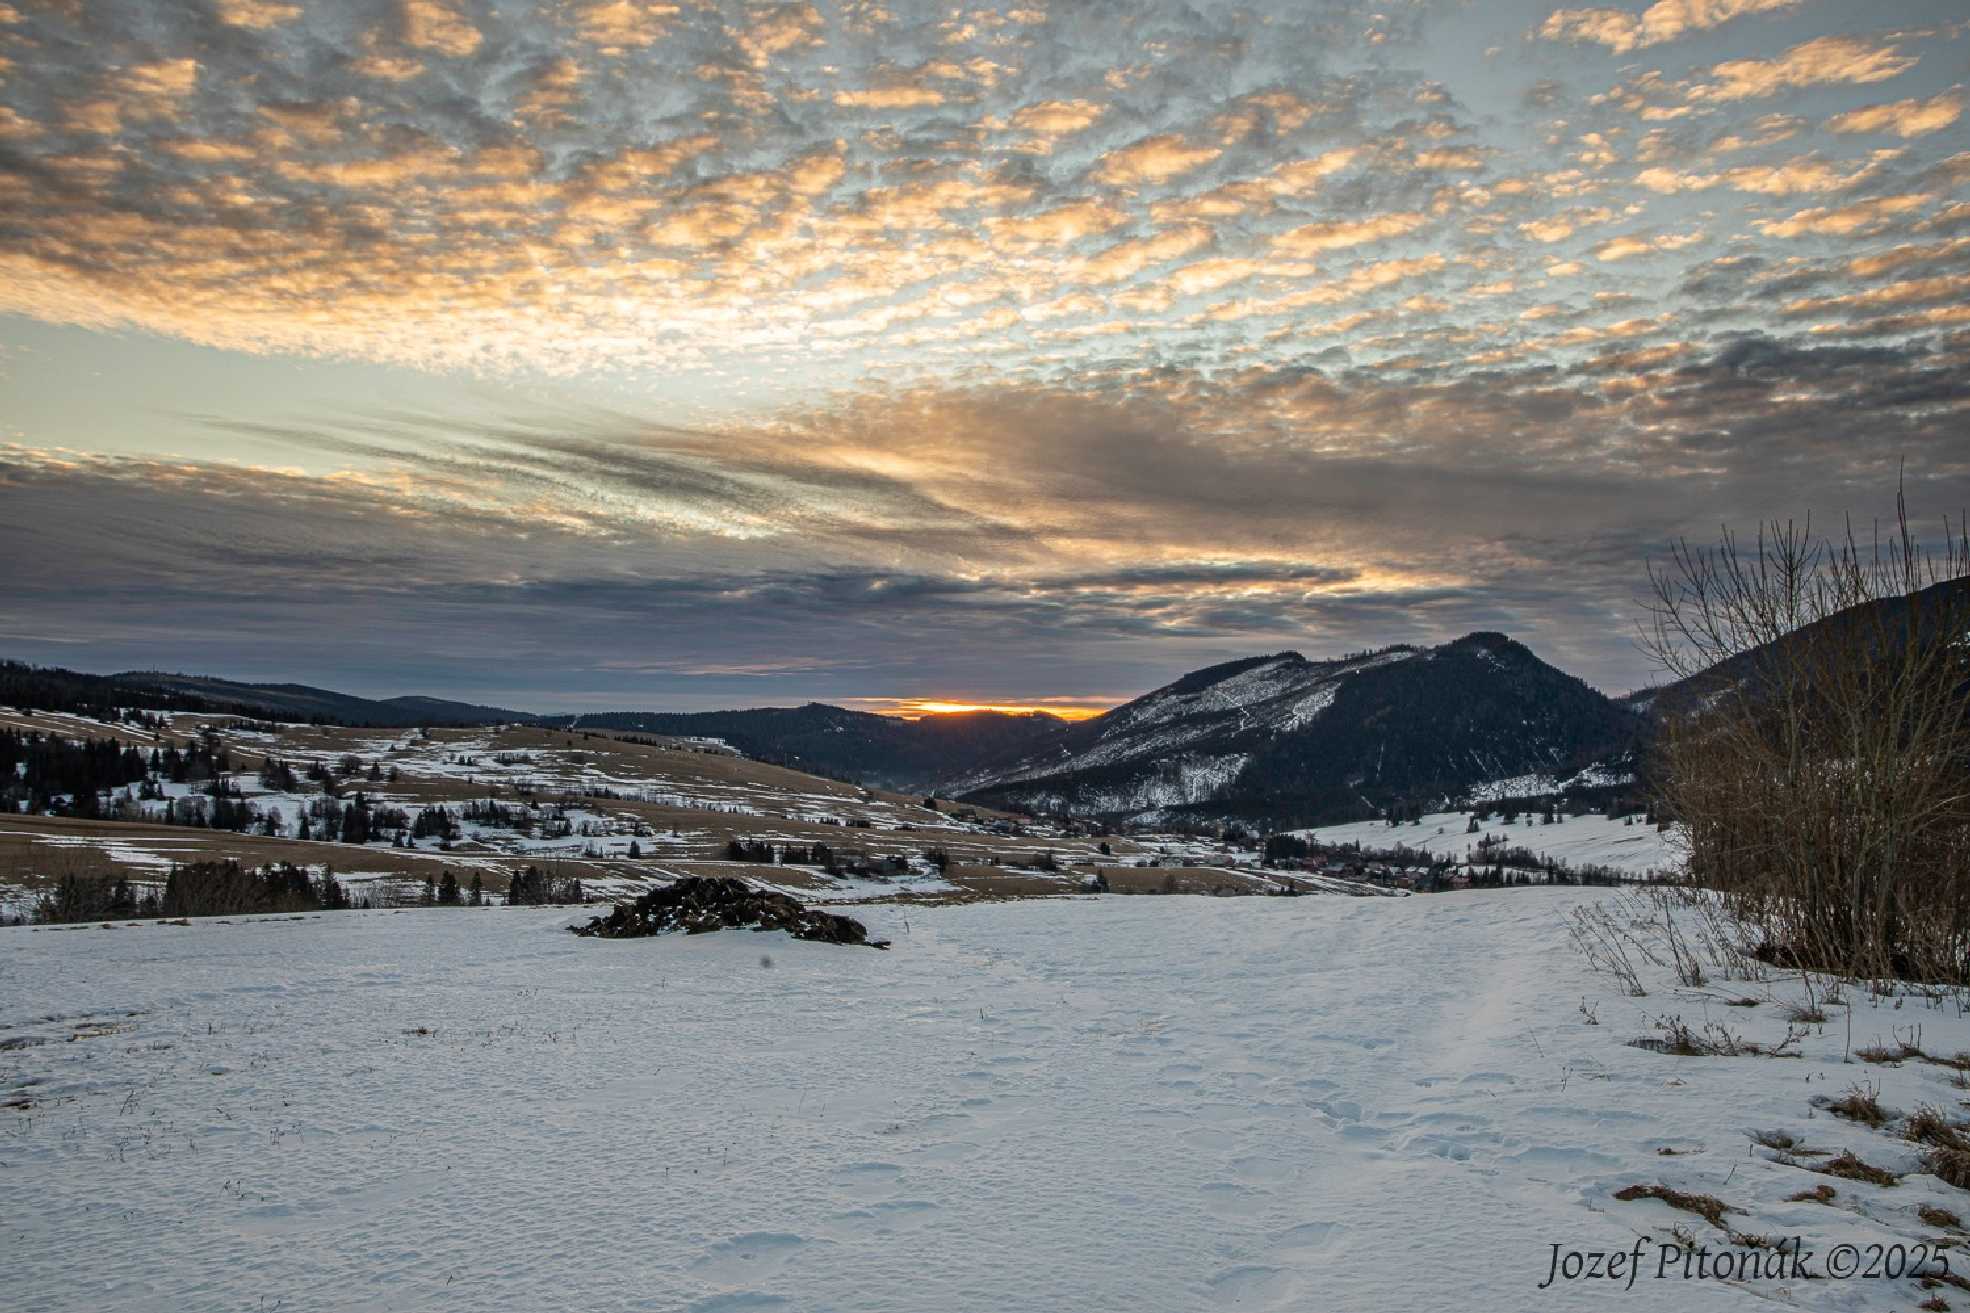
(684, 802)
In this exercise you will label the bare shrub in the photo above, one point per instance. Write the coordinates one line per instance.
(1714, 1040)
(1606, 946)
(1816, 751)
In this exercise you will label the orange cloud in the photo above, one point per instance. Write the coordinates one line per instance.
(1336, 234)
(1127, 259)
(257, 15)
(889, 98)
(1827, 59)
(1056, 118)
(1666, 20)
(1860, 218)
(436, 26)
(617, 25)
(1628, 246)
(1904, 118)
(1153, 159)
(1058, 226)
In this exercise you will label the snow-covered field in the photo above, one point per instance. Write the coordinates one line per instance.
(1120, 1103)
(1628, 844)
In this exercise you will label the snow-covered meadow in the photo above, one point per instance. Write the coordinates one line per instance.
(1628, 844)
(1113, 1103)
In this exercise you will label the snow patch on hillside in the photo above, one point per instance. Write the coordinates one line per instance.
(1176, 783)
(1539, 784)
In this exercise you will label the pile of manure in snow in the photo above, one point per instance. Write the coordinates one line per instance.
(700, 904)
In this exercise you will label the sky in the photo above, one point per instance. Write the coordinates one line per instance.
(657, 354)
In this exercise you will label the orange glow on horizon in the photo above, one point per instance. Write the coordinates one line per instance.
(911, 708)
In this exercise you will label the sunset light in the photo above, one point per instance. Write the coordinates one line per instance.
(931, 707)
(918, 656)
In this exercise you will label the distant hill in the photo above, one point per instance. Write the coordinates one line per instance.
(1284, 740)
(52, 689)
(919, 755)
(303, 702)
(1888, 614)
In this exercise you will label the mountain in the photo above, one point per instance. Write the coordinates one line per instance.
(1282, 740)
(1880, 623)
(919, 755)
(53, 689)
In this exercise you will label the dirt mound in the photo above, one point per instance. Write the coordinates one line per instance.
(699, 905)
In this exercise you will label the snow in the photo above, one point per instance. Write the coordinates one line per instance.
(1178, 781)
(1278, 696)
(1308, 708)
(1540, 784)
(1629, 844)
(1248, 688)
(1517, 786)
(1157, 1104)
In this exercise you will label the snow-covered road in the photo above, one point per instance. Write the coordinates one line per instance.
(1132, 1104)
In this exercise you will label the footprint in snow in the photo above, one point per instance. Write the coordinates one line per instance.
(738, 1301)
(1254, 1287)
(1310, 1238)
(747, 1257)
(1230, 1199)
(878, 1177)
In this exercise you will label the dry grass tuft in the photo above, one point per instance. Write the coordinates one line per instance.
(1850, 1168)
(1950, 1166)
(1932, 1126)
(1861, 1104)
(1934, 1216)
(1883, 1054)
(1819, 1194)
(1710, 1208)
(1948, 1143)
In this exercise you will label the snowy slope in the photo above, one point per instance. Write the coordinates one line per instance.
(1284, 740)
(1270, 694)
(1153, 1104)
(1628, 844)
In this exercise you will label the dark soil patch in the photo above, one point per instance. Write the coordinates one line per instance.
(701, 904)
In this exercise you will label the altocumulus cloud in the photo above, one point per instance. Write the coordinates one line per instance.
(1066, 346)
